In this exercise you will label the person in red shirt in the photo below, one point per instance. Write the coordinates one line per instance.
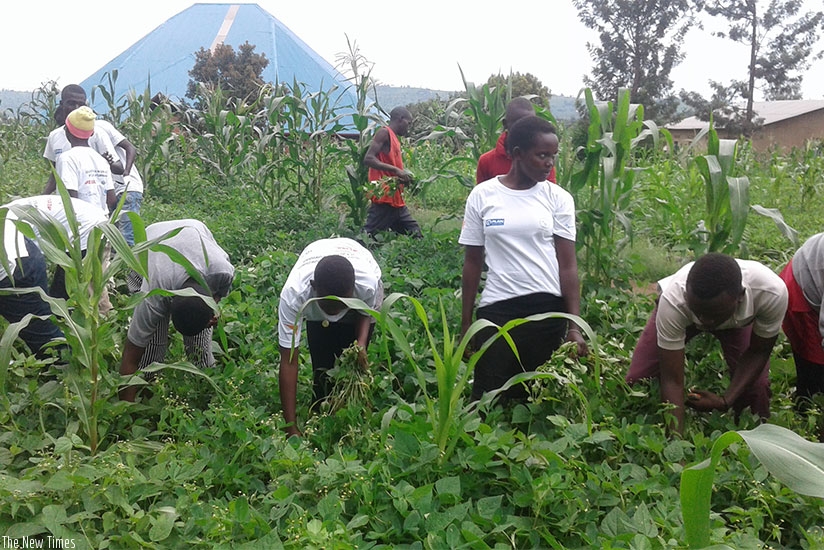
(388, 209)
(497, 162)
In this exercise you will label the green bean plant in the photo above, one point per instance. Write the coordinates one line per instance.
(793, 460)
(448, 412)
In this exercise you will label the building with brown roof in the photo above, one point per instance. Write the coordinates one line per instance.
(786, 125)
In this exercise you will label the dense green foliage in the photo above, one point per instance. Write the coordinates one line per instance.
(238, 74)
(640, 43)
(585, 463)
(781, 38)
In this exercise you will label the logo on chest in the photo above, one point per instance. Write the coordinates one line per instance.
(492, 222)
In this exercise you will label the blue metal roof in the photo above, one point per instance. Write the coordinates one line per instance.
(163, 58)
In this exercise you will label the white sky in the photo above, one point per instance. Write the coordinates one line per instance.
(422, 44)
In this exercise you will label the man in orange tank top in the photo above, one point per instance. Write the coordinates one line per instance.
(388, 209)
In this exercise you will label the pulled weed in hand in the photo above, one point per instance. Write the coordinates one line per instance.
(351, 379)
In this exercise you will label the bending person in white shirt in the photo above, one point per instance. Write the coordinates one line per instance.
(740, 302)
(328, 267)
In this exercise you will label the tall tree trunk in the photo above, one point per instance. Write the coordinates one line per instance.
(753, 50)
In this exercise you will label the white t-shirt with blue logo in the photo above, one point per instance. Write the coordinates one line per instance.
(517, 230)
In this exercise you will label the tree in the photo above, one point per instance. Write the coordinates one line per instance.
(640, 44)
(237, 74)
(521, 85)
(781, 41)
(725, 111)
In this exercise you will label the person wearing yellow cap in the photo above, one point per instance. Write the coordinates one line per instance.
(84, 171)
(72, 97)
(129, 182)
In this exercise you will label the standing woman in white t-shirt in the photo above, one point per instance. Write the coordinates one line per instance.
(523, 227)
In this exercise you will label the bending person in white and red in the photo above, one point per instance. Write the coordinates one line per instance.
(148, 336)
(328, 267)
(804, 322)
(742, 304)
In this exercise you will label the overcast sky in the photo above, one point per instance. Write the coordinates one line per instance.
(421, 45)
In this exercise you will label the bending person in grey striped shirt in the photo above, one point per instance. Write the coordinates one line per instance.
(148, 335)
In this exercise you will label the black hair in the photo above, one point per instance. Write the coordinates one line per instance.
(522, 133)
(399, 112)
(712, 274)
(72, 89)
(191, 314)
(517, 109)
(61, 113)
(334, 276)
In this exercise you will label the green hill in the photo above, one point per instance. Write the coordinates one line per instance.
(389, 97)
(12, 100)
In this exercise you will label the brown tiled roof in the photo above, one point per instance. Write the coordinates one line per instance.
(770, 111)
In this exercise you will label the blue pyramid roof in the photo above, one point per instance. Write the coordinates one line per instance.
(163, 58)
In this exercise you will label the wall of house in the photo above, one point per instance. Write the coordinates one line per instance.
(683, 138)
(785, 134)
(793, 132)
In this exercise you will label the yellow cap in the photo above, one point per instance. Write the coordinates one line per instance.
(80, 122)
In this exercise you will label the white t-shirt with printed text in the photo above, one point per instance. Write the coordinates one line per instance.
(82, 169)
(517, 230)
